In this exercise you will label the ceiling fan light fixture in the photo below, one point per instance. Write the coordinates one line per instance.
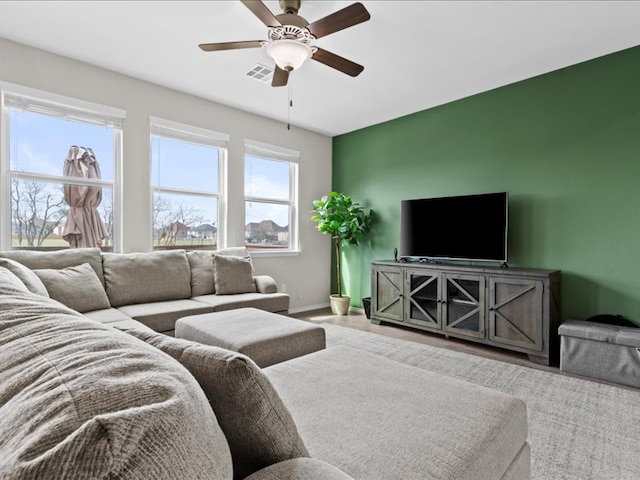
(289, 54)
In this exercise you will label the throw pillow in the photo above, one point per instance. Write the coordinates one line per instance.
(30, 279)
(201, 263)
(10, 280)
(233, 275)
(234, 252)
(79, 288)
(258, 426)
(265, 284)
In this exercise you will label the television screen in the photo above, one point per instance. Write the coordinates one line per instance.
(466, 227)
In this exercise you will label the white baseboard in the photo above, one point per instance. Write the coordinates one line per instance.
(307, 308)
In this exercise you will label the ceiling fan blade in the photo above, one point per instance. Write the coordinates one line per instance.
(336, 61)
(280, 77)
(261, 11)
(214, 47)
(345, 18)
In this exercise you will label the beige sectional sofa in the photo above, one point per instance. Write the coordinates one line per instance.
(154, 288)
(83, 400)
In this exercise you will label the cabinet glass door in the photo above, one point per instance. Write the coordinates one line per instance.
(422, 305)
(464, 305)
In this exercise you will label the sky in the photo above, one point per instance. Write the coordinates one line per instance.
(40, 144)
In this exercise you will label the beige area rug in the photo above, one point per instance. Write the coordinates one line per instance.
(578, 429)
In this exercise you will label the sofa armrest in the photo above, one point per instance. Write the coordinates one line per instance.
(265, 284)
(300, 469)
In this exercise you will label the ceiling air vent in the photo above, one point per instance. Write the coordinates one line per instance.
(261, 73)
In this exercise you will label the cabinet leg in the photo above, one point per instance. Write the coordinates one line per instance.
(539, 359)
(375, 321)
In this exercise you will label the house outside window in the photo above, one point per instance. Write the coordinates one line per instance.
(187, 170)
(60, 163)
(271, 198)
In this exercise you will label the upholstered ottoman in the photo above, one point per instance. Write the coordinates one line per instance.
(601, 351)
(267, 338)
(378, 419)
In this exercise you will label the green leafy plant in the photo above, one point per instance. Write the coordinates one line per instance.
(344, 221)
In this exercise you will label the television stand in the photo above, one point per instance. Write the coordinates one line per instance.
(512, 308)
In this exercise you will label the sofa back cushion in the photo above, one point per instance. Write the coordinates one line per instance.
(26, 275)
(82, 400)
(201, 263)
(258, 426)
(58, 259)
(76, 287)
(132, 278)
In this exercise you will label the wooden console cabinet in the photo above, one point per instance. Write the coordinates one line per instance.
(512, 308)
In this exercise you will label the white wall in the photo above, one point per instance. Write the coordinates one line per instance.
(307, 276)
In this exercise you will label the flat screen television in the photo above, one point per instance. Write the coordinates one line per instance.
(464, 227)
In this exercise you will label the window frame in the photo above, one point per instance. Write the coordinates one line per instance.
(28, 99)
(169, 129)
(276, 153)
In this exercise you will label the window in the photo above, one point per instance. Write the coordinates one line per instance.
(60, 162)
(270, 194)
(187, 169)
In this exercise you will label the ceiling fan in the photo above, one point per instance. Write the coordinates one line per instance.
(290, 37)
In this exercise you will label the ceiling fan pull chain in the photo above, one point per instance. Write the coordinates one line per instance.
(290, 105)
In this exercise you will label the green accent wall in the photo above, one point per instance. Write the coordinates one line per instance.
(566, 145)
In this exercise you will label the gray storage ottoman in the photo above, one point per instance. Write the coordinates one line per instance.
(597, 350)
(267, 338)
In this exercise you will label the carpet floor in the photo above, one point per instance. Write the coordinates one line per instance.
(578, 429)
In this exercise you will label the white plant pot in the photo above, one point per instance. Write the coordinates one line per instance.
(339, 305)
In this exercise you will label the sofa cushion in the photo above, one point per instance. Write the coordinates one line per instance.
(58, 259)
(26, 275)
(233, 275)
(106, 315)
(9, 279)
(271, 302)
(114, 318)
(201, 263)
(76, 287)
(133, 278)
(162, 316)
(258, 426)
(82, 400)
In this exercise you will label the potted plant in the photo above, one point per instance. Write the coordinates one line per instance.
(346, 223)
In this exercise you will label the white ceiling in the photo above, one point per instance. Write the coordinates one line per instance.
(417, 54)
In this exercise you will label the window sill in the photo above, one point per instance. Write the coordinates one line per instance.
(274, 253)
